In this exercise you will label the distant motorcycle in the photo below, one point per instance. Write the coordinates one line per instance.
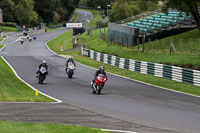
(22, 41)
(34, 37)
(98, 84)
(70, 70)
(41, 75)
(30, 39)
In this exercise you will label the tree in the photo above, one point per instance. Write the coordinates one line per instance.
(120, 10)
(45, 9)
(25, 13)
(188, 6)
(8, 7)
(68, 6)
(76, 2)
(147, 5)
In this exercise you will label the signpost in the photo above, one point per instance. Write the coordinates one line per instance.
(74, 25)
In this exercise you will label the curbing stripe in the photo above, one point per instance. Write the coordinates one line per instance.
(58, 101)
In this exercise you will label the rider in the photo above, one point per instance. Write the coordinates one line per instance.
(100, 71)
(22, 40)
(30, 38)
(44, 64)
(70, 60)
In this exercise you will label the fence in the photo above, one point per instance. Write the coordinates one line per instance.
(180, 45)
(160, 70)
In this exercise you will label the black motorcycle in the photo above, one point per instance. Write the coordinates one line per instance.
(41, 75)
(22, 41)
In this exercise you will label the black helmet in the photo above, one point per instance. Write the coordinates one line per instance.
(70, 59)
(102, 69)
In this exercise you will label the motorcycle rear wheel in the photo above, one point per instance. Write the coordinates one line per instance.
(99, 88)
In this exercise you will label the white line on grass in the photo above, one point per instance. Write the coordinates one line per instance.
(58, 101)
(118, 131)
(4, 44)
(2, 47)
(4, 38)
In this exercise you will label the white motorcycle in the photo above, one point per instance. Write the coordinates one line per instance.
(70, 70)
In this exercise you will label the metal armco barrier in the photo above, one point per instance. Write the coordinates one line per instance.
(160, 70)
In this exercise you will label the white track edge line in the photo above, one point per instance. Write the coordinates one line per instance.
(58, 101)
(118, 131)
(127, 77)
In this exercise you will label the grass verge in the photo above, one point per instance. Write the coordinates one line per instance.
(6, 28)
(62, 42)
(14, 90)
(2, 38)
(173, 85)
(25, 127)
(51, 29)
(1, 46)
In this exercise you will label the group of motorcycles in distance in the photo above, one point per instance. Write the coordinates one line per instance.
(97, 85)
(29, 37)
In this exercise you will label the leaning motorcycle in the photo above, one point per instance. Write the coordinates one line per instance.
(70, 70)
(98, 83)
(42, 75)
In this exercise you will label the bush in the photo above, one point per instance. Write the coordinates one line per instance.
(101, 25)
(9, 24)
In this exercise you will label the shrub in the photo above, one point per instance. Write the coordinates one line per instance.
(9, 24)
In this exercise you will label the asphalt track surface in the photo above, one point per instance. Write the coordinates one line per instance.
(124, 104)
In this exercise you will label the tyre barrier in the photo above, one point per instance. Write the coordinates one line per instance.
(178, 74)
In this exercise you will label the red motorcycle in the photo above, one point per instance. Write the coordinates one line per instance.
(98, 84)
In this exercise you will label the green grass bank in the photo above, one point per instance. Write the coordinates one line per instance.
(1, 46)
(14, 90)
(25, 127)
(6, 28)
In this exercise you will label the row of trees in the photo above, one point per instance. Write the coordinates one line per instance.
(121, 9)
(126, 8)
(95, 3)
(33, 12)
(188, 6)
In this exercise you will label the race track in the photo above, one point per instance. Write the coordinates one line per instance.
(124, 104)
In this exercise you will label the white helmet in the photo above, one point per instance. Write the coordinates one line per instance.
(43, 61)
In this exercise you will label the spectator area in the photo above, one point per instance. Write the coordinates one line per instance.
(162, 21)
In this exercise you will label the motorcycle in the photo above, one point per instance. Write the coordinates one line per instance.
(30, 39)
(22, 41)
(34, 37)
(70, 70)
(42, 72)
(98, 84)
